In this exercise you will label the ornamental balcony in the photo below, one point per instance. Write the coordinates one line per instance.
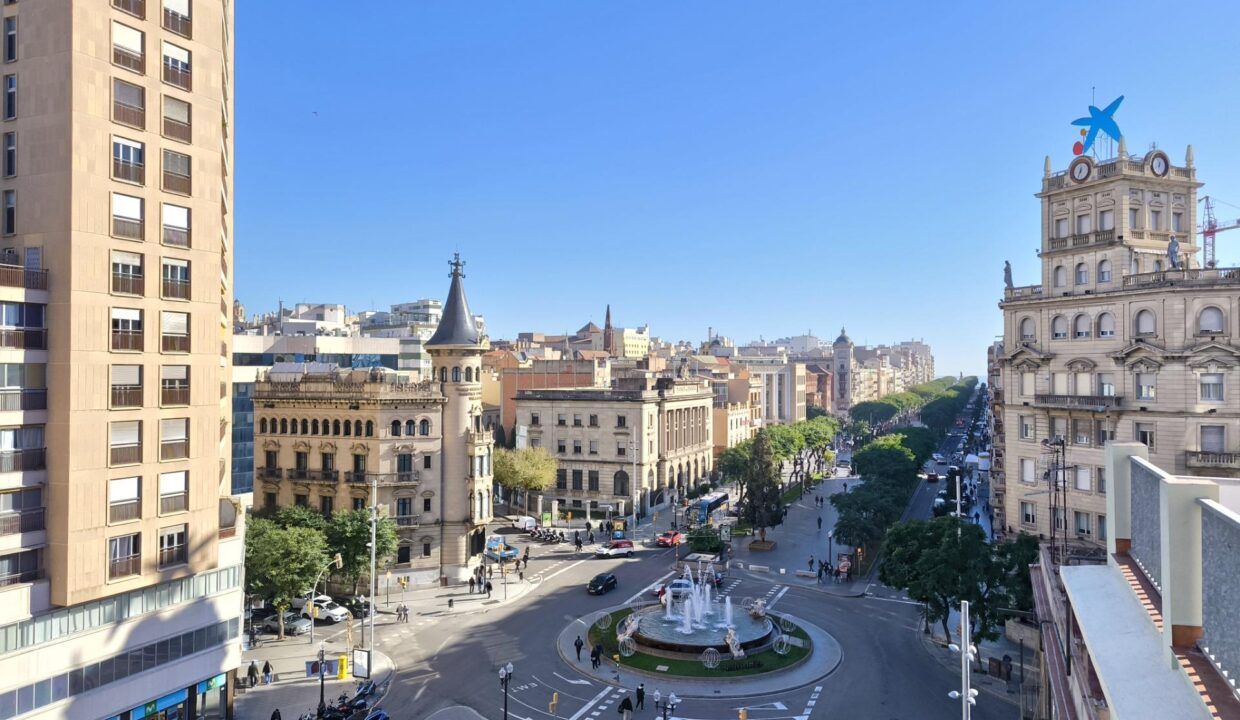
(1097, 403)
(1212, 460)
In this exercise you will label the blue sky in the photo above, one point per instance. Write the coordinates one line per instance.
(760, 168)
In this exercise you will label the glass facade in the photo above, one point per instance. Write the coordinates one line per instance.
(344, 360)
(242, 438)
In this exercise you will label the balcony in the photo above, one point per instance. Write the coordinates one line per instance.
(23, 460)
(21, 522)
(124, 511)
(366, 478)
(128, 284)
(329, 476)
(130, 115)
(1026, 292)
(174, 503)
(1080, 240)
(129, 171)
(171, 556)
(1097, 403)
(407, 521)
(124, 566)
(137, 8)
(1212, 460)
(175, 289)
(127, 58)
(175, 395)
(176, 237)
(17, 578)
(126, 454)
(126, 396)
(127, 340)
(127, 228)
(178, 23)
(299, 474)
(174, 343)
(177, 130)
(269, 473)
(173, 449)
(1197, 277)
(16, 400)
(178, 77)
(177, 183)
(17, 276)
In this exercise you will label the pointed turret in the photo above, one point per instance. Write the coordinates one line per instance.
(456, 326)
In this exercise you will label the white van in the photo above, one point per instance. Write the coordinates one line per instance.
(525, 522)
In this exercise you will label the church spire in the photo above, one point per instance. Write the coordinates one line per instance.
(609, 334)
(456, 325)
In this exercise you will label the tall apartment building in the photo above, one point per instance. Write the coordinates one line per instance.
(121, 568)
(1117, 342)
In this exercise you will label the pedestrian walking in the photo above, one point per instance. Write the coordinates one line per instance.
(641, 696)
(811, 563)
(579, 643)
(253, 673)
(520, 576)
(626, 708)
(594, 659)
(267, 672)
(471, 585)
(275, 714)
(488, 589)
(819, 522)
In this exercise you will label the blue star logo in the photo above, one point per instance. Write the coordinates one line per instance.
(1103, 120)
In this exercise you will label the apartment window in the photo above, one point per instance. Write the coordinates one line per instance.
(23, 386)
(177, 119)
(1213, 439)
(1082, 274)
(124, 556)
(1081, 430)
(10, 154)
(576, 420)
(1083, 224)
(127, 273)
(175, 285)
(1104, 271)
(426, 504)
(576, 447)
(426, 462)
(128, 48)
(126, 386)
(1102, 528)
(1155, 219)
(327, 505)
(621, 449)
(271, 458)
(1080, 326)
(124, 499)
(1100, 480)
(172, 546)
(176, 17)
(176, 226)
(536, 442)
(1144, 433)
(1106, 384)
(577, 479)
(1102, 434)
(173, 495)
(594, 447)
(622, 421)
(128, 160)
(10, 97)
(1210, 321)
(127, 223)
(594, 421)
(1027, 381)
(128, 104)
(1061, 227)
(301, 500)
(1106, 325)
(359, 503)
(561, 446)
(174, 331)
(1059, 427)
(1177, 222)
(1106, 220)
(21, 511)
(10, 212)
(125, 442)
(561, 479)
(535, 420)
(1026, 427)
(269, 501)
(10, 38)
(174, 385)
(1059, 383)
(1211, 385)
(1059, 276)
(1147, 386)
(177, 66)
(1081, 521)
(592, 480)
(1028, 514)
(1134, 216)
(327, 462)
(561, 420)
(174, 439)
(1082, 479)
(1027, 469)
(177, 172)
(1059, 327)
(1028, 330)
(1144, 323)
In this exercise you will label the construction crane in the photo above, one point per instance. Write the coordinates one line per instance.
(1209, 228)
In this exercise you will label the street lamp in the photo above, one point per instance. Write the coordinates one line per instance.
(831, 546)
(505, 677)
(322, 701)
(339, 563)
(968, 652)
(666, 707)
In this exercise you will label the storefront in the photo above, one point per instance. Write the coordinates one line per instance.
(207, 700)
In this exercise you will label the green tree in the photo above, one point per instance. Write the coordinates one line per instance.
(873, 412)
(921, 441)
(813, 412)
(282, 562)
(705, 539)
(786, 441)
(348, 533)
(887, 458)
(1014, 558)
(763, 506)
(301, 516)
(733, 464)
(524, 469)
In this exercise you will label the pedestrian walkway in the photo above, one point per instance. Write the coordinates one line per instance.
(1003, 650)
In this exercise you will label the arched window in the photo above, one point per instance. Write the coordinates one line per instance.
(1106, 325)
(1028, 330)
(1104, 271)
(1210, 322)
(1158, 266)
(424, 427)
(1082, 274)
(335, 427)
(443, 374)
(1144, 323)
(326, 426)
(262, 426)
(348, 427)
(456, 374)
(410, 429)
(395, 428)
(284, 426)
(314, 427)
(620, 484)
(370, 428)
(1059, 327)
(1080, 326)
(469, 374)
(1134, 266)
(1060, 276)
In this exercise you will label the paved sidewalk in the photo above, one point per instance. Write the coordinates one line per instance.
(1007, 691)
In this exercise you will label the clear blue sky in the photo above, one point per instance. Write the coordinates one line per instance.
(762, 168)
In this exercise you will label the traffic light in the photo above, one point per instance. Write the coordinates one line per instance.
(743, 714)
(337, 561)
(404, 581)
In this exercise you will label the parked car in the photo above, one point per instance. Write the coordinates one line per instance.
(358, 607)
(669, 539)
(938, 457)
(601, 584)
(328, 610)
(300, 601)
(615, 548)
(294, 624)
(939, 508)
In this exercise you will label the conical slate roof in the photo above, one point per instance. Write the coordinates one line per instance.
(456, 326)
(843, 339)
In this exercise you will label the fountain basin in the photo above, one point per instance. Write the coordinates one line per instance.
(655, 631)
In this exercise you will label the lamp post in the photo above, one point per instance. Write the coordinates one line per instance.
(966, 694)
(322, 701)
(666, 707)
(505, 677)
(339, 563)
(633, 480)
(388, 589)
(831, 547)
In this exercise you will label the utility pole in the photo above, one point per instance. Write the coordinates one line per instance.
(374, 527)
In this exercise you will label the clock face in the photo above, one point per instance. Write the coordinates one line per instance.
(1159, 165)
(1080, 170)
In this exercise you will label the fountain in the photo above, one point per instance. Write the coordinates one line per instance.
(686, 629)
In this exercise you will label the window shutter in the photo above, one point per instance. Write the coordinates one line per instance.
(172, 483)
(176, 217)
(180, 7)
(126, 314)
(176, 110)
(128, 94)
(174, 323)
(126, 433)
(174, 372)
(176, 53)
(122, 489)
(172, 430)
(126, 374)
(127, 38)
(127, 206)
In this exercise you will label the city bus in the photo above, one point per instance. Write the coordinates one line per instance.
(708, 504)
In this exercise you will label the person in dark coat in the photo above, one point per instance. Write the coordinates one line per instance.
(275, 714)
(253, 673)
(641, 696)
(626, 708)
(267, 672)
(579, 643)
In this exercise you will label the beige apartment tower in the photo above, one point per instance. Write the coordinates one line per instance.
(121, 558)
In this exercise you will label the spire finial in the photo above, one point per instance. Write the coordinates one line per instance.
(1188, 156)
(1046, 167)
(458, 266)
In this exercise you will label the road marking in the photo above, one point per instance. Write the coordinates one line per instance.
(652, 586)
(571, 682)
(767, 706)
(418, 696)
(777, 597)
(588, 706)
(557, 572)
(894, 600)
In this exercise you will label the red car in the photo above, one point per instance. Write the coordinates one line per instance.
(669, 539)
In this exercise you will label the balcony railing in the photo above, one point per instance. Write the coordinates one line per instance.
(23, 460)
(127, 228)
(1026, 292)
(299, 474)
(323, 475)
(177, 130)
(1197, 277)
(23, 399)
(408, 521)
(127, 340)
(177, 502)
(126, 396)
(177, 183)
(366, 478)
(124, 566)
(178, 23)
(174, 343)
(268, 473)
(175, 289)
(21, 522)
(1084, 402)
(129, 171)
(16, 276)
(122, 511)
(137, 8)
(130, 115)
(128, 284)
(128, 59)
(174, 395)
(176, 237)
(25, 576)
(172, 556)
(1080, 239)
(23, 338)
(173, 449)
(1203, 459)
(174, 75)
(126, 454)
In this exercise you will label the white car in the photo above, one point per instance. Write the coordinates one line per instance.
(677, 588)
(328, 610)
(938, 457)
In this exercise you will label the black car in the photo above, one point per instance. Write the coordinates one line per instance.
(601, 584)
